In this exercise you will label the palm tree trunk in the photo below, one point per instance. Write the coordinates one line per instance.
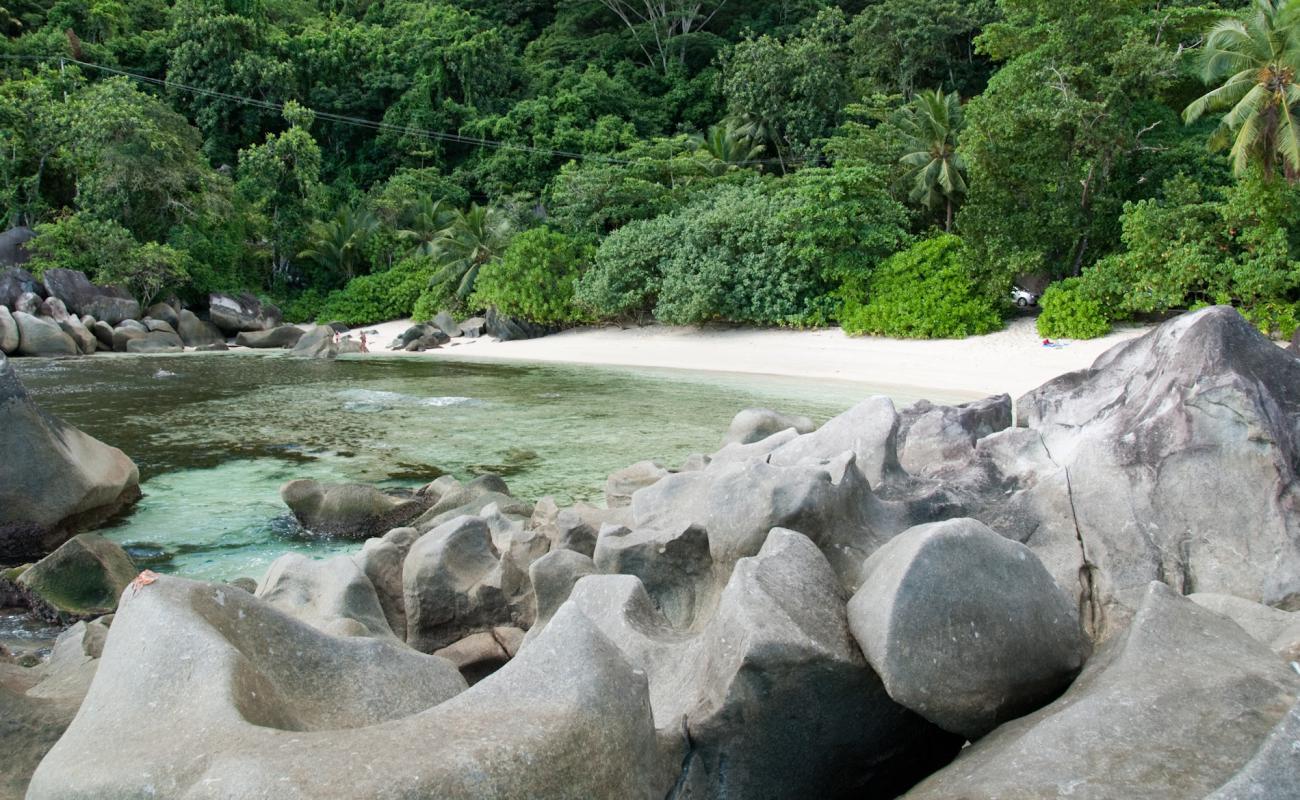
(947, 222)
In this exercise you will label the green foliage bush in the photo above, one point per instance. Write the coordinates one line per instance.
(769, 252)
(535, 278)
(109, 255)
(379, 297)
(924, 292)
(1070, 311)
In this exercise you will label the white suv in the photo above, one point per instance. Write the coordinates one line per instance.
(1023, 298)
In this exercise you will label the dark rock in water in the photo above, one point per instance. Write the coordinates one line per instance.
(14, 283)
(8, 332)
(243, 313)
(284, 336)
(348, 716)
(473, 327)
(83, 578)
(64, 481)
(13, 245)
(155, 342)
(347, 510)
(42, 337)
(195, 332)
(165, 313)
(1173, 707)
(510, 329)
(446, 323)
(967, 659)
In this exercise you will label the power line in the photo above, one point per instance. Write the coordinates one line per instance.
(407, 130)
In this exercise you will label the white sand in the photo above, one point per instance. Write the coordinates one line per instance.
(1012, 361)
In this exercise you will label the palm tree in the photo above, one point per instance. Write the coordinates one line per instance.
(729, 148)
(426, 221)
(930, 126)
(1255, 62)
(759, 130)
(471, 239)
(338, 244)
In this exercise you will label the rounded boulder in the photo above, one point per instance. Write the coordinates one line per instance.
(965, 627)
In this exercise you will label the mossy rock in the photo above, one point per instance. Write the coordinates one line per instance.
(84, 578)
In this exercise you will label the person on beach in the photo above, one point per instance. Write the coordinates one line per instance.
(364, 348)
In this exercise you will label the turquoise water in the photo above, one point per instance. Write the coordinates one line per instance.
(216, 434)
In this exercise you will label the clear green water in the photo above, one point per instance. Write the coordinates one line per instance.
(216, 434)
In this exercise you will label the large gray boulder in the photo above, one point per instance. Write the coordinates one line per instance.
(42, 337)
(333, 595)
(243, 313)
(103, 334)
(382, 559)
(347, 510)
(85, 340)
(270, 707)
(75, 290)
(932, 435)
(55, 480)
(1173, 707)
(756, 424)
(673, 564)
(14, 283)
(553, 577)
(965, 627)
(54, 309)
(1153, 438)
(8, 332)
(82, 579)
(285, 336)
(124, 334)
(446, 323)
(1274, 771)
(452, 585)
(195, 332)
(507, 328)
(771, 696)
(1278, 629)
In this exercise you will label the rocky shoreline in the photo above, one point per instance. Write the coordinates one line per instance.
(933, 602)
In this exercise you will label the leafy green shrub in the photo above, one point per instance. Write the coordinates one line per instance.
(81, 242)
(924, 292)
(1071, 311)
(381, 296)
(623, 282)
(431, 300)
(534, 280)
(302, 307)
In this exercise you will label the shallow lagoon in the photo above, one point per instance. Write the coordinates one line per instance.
(216, 434)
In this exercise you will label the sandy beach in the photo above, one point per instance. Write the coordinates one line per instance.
(1013, 360)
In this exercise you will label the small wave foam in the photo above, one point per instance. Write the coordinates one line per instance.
(375, 399)
(162, 373)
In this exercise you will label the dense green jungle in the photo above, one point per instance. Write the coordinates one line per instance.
(894, 167)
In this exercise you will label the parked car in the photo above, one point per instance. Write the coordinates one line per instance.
(1023, 298)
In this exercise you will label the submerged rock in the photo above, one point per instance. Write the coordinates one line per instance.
(317, 342)
(756, 424)
(56, 480)
(347, 510)
(82, 579)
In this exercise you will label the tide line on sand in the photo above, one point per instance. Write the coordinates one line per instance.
(1012, 360)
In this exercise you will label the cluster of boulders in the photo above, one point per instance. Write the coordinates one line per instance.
(443, 328)
(1097, 599)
